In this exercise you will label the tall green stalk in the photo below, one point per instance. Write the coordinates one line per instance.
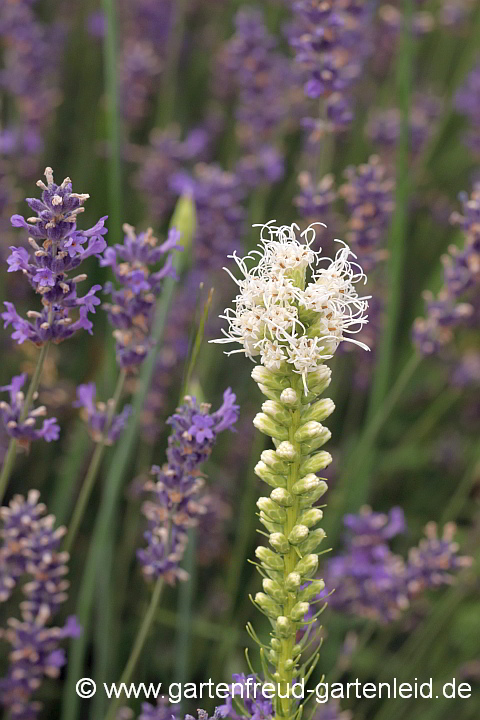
(12, 448)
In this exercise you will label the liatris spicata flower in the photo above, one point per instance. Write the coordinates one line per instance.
(467, 102)
(132, 306)
(58, 249)
(24, 431)
(97, 415)
(292, 311)
(455, 304)
(175, 504)
(368, 194)
(30, 549)
(371, 581)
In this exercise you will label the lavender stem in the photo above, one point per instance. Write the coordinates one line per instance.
(12, 448)
(93, 468)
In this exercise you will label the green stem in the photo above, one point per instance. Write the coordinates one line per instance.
(184, 617)
(138, 645)
(166, 101)
(12, 448)
(93, 468)
(113, 118)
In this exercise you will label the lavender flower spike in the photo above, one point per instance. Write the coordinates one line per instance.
(24, 431)
(135, 266)
(96, 415)
(58, 248)
(30, 547)
(175, 505)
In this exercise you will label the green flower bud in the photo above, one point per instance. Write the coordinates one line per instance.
(306, 484)
(271, 526)
(289, 397)
(269, 392)
(283, 626)
(273, 656)
(311, 445)
(274, 589)
(293, 581)
(308, 499)
(279, 543)
(315, 463)
(313, 541)
(298, 534)
(272, 510)
(312, 590)
(271, 459)
(297, 649)
(307, 566)
(268, 426)
(309, 431)
(299, 610)
(319, 411)
(184, 220)
(310, 517)
(268, 605)
(286, 451)
(319, 380)
(282, 497)
(289, 664)
(266, 474)
(269, 558)
(277, 412)
(266, 377)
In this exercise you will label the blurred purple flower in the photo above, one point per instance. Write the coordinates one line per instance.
(25, 430)
(97, 414)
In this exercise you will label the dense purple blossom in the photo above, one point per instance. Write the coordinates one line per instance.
(97, 415)
(135, 266)
(370, 581)
(315, 199)
(58, 248)
(455, 304)
(30, 550)
(384, 126)
(175, 505)
(368, 194)
(25, 429)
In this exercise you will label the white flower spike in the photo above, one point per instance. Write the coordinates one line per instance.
(294, 305)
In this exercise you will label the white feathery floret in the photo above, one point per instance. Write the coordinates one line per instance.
(294, 306)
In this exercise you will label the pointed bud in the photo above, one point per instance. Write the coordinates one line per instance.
(279, 543)
(306, 484)
(313, 541)
(319, 380)
(286, 451)
(274, 589)
(282, 497)
(307, 500)
(309, 431)
(269, 558)
(277, 412)
(271, 526)
(270, 458)
(268, 426)
(184, 220)
(276, 644)
(299, 610)
(311, 445)
(289, 397)
(293, 581)
(307, 566)
(269, 392)
(266, 377)
(268, 606)
(311, 517)
(319, 411)
(283, 626)
(298, 534)
(268, 476)
(272, 510)
(315, 463)
(273, 657)
(312, 590)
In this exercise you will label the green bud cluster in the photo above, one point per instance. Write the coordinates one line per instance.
(293, 419)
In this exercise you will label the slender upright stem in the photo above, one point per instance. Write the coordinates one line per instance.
(138, 645)
(113, 118)
(12, 448)
(94, 467)
(166, 100)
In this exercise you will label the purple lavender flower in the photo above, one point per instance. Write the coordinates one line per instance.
(61, 251)
(97, 415)
(455, 305)
(467, 102)
(175, 505)
(249, 689)
(368, 194)
(315, 199)
(25, 430)
(30, 548)
(384, 126)
(132, 307)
